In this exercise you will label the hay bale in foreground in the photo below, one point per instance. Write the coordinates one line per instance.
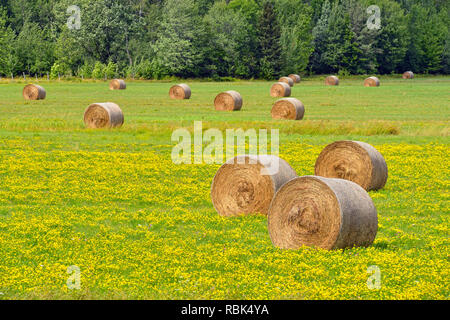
(355, 161)
(322, 212)
(295, 77)
(280, 89)
(287, 80)
(372, 82)
(332, 81)
(103, 115)
(117, 84)
(247, 184)
(408, 75)
(34, 92)
(228, 101)
(180, 92)
(288, 108)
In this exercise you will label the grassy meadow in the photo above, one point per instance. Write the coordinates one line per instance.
(140, 227)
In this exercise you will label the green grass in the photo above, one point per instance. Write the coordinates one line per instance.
(138, 226)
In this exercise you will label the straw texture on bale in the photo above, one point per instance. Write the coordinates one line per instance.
(372, 82)
(103, 115)
(247, 184)
(34, 92)
(228, 101)
(117, 84)
(408, 75)
(280, 89)
(288, 108)
(180, 92)
(355, 161)
(322, 212)
(295, 77)
(332, 81)
(287, 80)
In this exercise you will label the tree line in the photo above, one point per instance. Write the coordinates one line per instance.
(154, 39)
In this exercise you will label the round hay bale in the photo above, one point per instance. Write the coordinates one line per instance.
(322, 212)
(408, 75)
(332, 81)
(103, 115)
(280, 89)
(287, 80)
(288, 108)
(355, 161)
(228, 101)
(180, 92)
(372, 82)
(247, 184)
(295, 77)
(117, 84)
(34, 92)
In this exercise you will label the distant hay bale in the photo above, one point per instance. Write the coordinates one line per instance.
(228, 101)
(355, 161)
(288, 108)
(103, 115)
(323, 213)
(117, 84)
(408, 75)
(34, 92)
(280, 89)
(287, 80)
(180, 92)
(372, 82)
(295, 77)
(332, 81)
(247, 184)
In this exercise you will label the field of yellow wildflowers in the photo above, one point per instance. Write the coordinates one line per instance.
(113, 204)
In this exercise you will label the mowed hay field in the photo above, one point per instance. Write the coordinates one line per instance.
(140, 227)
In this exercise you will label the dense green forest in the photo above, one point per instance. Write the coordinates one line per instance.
(153, 39)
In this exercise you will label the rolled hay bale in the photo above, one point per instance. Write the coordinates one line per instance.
(180, 92)
(322, 212)
(332, 81)
(287, 80)
(103, 115)
(280, 89)
(117, 84)
(247, 184)
(295, 77)
(372, 82)
(408, 75)
(288, 108)
(355, 161)
(34, 92)
(228, 101)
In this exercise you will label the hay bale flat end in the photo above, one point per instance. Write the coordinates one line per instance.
(103, 115)
(180, 92)
(246, 184)
(332, 81)
(280, 89)
(323, 213)
(355, 161)
(228, 101)
(372, 82)
(34, 92)
(288, 108)
(295, 77)
(117, 84)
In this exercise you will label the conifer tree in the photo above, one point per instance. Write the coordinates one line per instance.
(179, 46)
(427, 48)
(8, 60)
(295, 19)
(269, 42)
(320, 42)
